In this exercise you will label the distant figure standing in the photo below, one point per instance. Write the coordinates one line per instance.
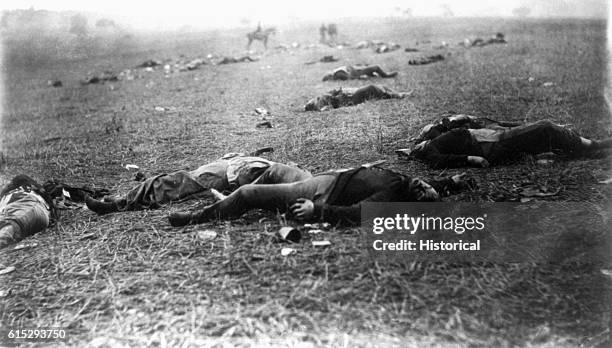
(332, 32)
(323, 33)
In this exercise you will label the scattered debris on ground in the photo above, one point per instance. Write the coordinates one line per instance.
(54, 83)
(290, 234)
(264, 124)
(106, 76)
(207, 234)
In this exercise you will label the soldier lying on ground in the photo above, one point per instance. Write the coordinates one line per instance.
(149, 63)
(25, 209)
(432, 131)
(349, 72)
(341, 97)
(367, 44)
(385, 48)
(228, 60)
(324, 59)
(479, 147)
(496, 39)
(333, 196)
(378, 45)
(426, 60)
(226, 174)
(103, 77)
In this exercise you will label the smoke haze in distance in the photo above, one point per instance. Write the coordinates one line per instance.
(230, 13)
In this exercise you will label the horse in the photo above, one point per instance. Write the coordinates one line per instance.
(261, 35)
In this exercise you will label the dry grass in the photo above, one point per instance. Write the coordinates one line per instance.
(132, 279)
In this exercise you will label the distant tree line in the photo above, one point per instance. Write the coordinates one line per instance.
(47, 22)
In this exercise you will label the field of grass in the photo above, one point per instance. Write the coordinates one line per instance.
(131, 279)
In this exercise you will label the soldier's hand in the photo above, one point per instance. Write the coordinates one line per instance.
(302, 208)
(463, 181)
(458, 178)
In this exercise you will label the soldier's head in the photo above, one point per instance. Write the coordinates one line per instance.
(21, 180)
(311, 105)
(422, 191)
(429, 132)
(417, 190)
(318, 103)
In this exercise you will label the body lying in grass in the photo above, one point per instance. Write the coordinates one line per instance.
(333, 196)
(349, 72)
(498, 38)
(368, 44)
(341, 97)
(434, 130)
(225, 174)
(479, 147)
(25, 209)
(324, 59)
(378, 46)
(385, 48)
(230, 60)
(426, 60)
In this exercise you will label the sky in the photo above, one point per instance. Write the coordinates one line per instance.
(203, 13)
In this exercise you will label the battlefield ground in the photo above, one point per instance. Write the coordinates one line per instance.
(130, 279)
